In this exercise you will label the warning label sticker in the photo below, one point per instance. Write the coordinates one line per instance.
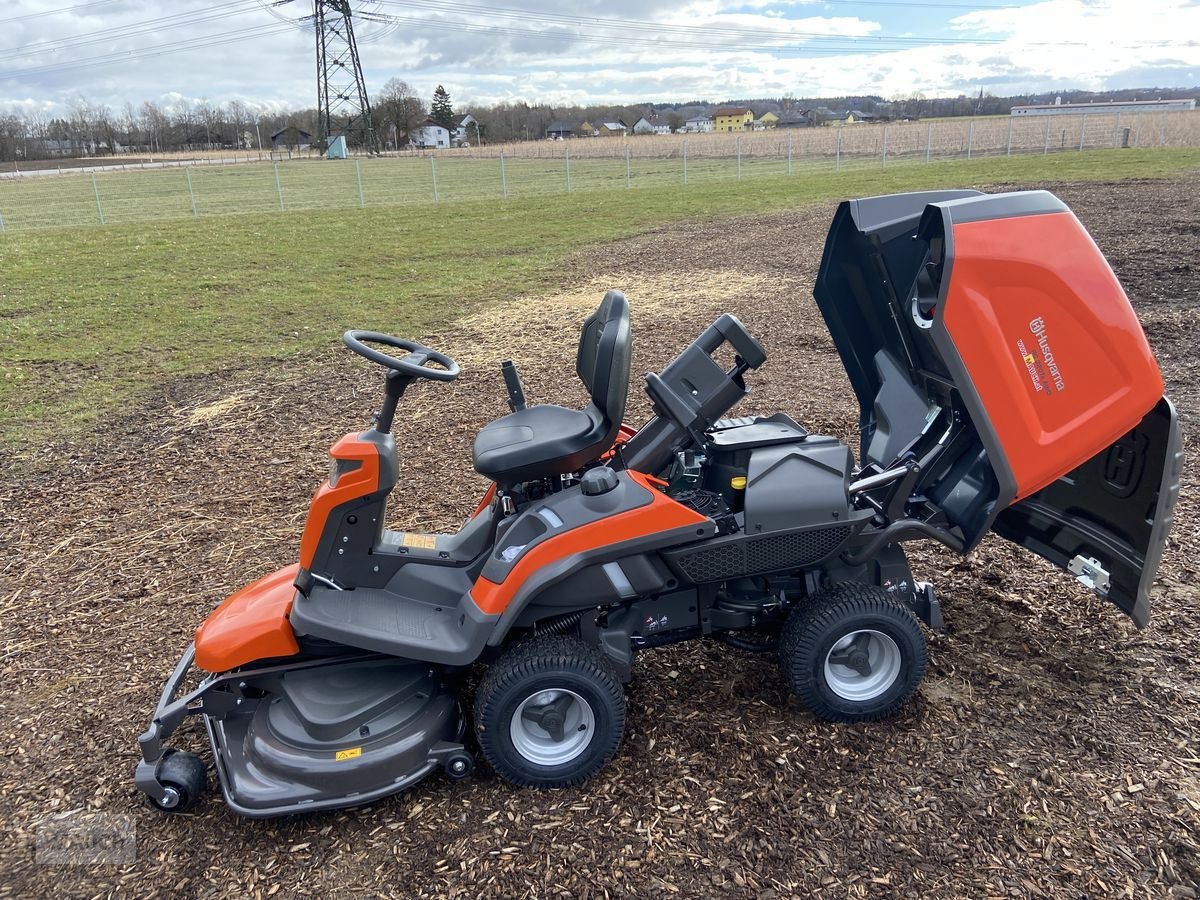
(420, 541)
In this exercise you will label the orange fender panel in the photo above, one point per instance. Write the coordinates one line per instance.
(251, 624)
(1050, 341)
(660, 514)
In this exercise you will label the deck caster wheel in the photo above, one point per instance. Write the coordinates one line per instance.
(184, 779)
(550, 712)
(853, 653)
(458, 766)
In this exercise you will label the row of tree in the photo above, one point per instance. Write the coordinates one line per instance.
(90, 129)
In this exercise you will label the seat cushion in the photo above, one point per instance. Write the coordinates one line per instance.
(536, 442)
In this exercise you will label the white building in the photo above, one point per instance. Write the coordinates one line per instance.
(1105, 107)
(431, 135)
(466, 128)
(643, 126)
(698, 124)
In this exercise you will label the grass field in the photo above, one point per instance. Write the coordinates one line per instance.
(97, 318)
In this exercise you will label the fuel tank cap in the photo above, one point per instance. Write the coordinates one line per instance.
(597, 481)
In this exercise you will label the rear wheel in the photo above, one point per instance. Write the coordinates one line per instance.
(853, 653)
(550, 712)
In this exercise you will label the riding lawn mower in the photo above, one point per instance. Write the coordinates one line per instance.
(1005, 386)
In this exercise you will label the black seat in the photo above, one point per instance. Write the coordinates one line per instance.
(544, 441)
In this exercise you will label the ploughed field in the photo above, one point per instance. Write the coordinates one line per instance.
(1051, 751)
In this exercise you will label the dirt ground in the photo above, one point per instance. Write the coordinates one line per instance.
(1051, 751)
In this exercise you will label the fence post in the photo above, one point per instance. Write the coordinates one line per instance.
(626, 165)
(685, 162)
(1046, 139)
(1008, 149)
(99, 208)
(358, 175)
(1082, 130)
(883, 153)
(278, 186)
(970, 138)
(191, 194)
(1, 223)
(789, 153)
(738, 144)
(433, 171)
(837, 153)
(503, 178)
(567, 158)
(928, 139)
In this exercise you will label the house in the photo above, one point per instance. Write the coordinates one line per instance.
(560, 129)
(643, 126)
(855, 116)
(794, 120)
(466, 127)
(698, 125)
(430, 135)
(291, 138)
(608, 129)
(586, 129)
(728, 119)
(766, 120)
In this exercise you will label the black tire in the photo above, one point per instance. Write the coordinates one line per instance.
(186, 776)
(851, 688)
(590, 721)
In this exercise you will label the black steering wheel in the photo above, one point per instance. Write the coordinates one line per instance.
(412, 365)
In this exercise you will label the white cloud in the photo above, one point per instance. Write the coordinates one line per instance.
(714, 49)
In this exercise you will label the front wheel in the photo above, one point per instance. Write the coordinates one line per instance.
(853, 653)
(550, 712)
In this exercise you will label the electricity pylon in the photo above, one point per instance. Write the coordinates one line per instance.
(342, 103)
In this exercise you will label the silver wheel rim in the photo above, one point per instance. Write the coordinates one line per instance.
(540, 745)
(863, 665)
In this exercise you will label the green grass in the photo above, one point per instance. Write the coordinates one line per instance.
(96, 317)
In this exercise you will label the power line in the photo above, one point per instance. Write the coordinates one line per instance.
(227, 37)
(131, 29)
(51, 12)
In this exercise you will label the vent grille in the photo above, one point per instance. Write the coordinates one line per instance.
(750, 556)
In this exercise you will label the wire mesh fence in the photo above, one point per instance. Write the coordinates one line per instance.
(81, 197)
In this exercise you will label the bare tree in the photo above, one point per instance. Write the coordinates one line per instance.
(398, 107)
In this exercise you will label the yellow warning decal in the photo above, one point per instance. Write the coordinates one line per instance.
(420, 541)
(349, 753)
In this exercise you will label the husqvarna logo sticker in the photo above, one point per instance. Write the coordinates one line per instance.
(1039, 360)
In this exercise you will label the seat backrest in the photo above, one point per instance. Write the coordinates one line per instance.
(605, 348)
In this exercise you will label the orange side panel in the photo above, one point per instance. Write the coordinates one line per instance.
(251, 624)
(1050, 342)
(350, 486)
(661, 514)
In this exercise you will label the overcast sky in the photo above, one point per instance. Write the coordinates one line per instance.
(594, 51)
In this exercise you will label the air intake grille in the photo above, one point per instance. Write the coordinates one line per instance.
(749, 556)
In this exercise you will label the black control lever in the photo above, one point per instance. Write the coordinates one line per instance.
(512, 383)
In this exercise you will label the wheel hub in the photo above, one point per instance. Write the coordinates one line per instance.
(862, 665)
(551, 728)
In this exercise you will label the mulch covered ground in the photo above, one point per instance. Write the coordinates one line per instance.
(1052, 750)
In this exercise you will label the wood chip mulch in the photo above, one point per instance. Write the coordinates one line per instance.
(1051, 751)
